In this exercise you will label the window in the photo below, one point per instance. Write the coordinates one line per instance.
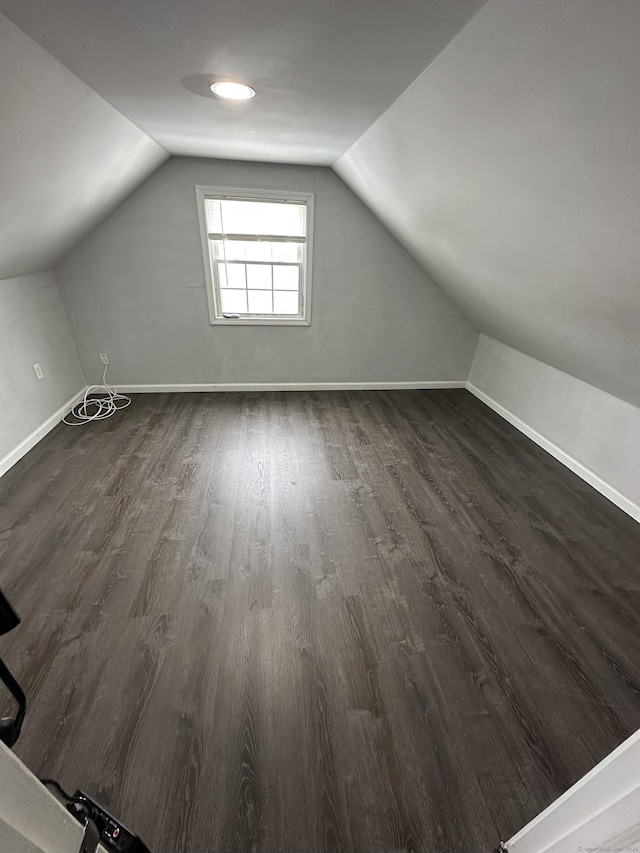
(257, 255)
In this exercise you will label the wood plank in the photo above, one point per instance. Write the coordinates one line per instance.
(317, 620)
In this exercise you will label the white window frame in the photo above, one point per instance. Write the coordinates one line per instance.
(216, 316)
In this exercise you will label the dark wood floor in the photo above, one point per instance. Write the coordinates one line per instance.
(307, 622)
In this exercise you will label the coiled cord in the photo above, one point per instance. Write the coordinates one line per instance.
(97, 408)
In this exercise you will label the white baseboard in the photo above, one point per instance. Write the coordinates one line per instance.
(20, 450)
(292, 386)
(601, 809)
(561, 455)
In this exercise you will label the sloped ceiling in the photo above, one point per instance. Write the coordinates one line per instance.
(511, 170)
(323, 69)
(67, 157)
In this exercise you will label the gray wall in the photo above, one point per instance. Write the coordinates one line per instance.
(510, 169)
(33, 328)
(375, 314)
(597, 430)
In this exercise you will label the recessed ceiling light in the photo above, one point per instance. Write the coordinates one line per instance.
(234, 91)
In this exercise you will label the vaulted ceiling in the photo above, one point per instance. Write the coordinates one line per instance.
(67, 157)
(511, 170)
(509, 167)
(324, 70)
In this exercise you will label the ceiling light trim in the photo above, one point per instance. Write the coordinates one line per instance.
(232, 90)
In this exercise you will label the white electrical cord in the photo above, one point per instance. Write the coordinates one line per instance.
(97, 408)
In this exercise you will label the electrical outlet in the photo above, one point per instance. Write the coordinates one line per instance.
(38, 371)
(104, 359)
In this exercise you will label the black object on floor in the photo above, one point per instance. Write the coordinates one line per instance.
(10, 728)
(113, 834)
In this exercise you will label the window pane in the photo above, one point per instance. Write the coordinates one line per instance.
(236, 276)
(260, 302)
(285, 302)
(287, 252)
(259, 276)
(257, 250)
(256, 217)
(234, 301)
(222, 275)
(241, 250)
(286, 278)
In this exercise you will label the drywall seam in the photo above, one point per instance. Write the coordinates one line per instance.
(561, 455)
(21, 449)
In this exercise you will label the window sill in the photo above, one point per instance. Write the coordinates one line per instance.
(261, 321)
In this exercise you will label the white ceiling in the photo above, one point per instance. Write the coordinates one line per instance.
(511, 170)
(323, 69)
